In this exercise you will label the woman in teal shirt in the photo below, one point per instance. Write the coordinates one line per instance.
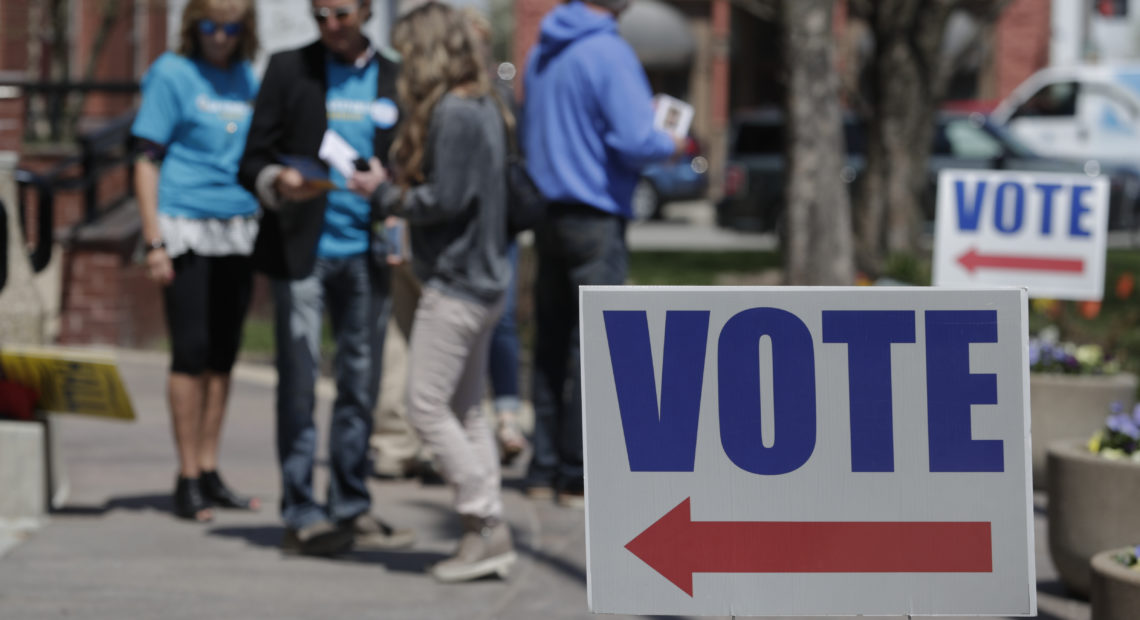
(199, 226)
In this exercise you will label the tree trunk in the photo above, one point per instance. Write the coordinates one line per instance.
(906, 87)
(819, 247)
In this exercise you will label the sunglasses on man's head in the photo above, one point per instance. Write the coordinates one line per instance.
(208, 27)
(341, 12)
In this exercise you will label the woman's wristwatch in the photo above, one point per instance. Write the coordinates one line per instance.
(158, 244)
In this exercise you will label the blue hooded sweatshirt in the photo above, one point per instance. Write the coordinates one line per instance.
(588, 116)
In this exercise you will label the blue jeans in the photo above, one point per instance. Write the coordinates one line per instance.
(576, 246)
(356, 296)
(504, 361)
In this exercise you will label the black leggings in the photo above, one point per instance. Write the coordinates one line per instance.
(205, 308)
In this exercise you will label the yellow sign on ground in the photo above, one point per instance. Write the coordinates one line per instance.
(69, 381)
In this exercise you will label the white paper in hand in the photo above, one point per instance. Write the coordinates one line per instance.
(672, 115)
(338, 153)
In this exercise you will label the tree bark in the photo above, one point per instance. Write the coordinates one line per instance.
(818, 248)
(906, 85)
(907, 82)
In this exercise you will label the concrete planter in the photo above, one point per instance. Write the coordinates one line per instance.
(1071, 407)
(1115, 588)
(1094, 505)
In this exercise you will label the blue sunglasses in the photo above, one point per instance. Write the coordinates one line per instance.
(208, 27)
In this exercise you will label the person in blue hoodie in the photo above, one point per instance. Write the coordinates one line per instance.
(587, 132)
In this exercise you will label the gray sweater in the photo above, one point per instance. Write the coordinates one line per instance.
(458, 217)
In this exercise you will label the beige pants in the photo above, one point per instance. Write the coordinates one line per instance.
(447, 366)
(396, 445)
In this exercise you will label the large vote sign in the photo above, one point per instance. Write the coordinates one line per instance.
(1044, 231)
(807, 451)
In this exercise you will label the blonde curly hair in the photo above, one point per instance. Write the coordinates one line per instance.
(441, 51)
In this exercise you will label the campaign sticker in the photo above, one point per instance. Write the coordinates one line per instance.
(384, 113)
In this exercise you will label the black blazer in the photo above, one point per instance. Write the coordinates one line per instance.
(289, 118)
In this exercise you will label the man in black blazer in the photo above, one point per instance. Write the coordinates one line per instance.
(316, 245)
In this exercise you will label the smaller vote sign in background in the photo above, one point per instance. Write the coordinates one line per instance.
(1044, 231)
(807, 451)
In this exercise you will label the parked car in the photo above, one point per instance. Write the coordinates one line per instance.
(682, 178)
(754, 170)
(754, 174)
(1085, 112)
(974, 142)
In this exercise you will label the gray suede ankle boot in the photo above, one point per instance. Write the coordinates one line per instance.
(485, 549)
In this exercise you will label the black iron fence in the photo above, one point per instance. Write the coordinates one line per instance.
(52, 109)
(3, 245)
(101, 151)
(51, 115)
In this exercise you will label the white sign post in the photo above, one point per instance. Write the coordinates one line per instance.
(807, 451)
(1046, 232)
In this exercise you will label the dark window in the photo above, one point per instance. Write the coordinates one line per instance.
(969, 141)
(941, 144)
(1058, 99)
(760, 139)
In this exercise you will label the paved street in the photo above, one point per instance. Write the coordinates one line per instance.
(115, 552)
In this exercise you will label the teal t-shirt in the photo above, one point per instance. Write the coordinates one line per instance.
(349, 102)
(201, 114)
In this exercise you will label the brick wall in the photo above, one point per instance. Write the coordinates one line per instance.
(11, 123)
(115, 63)
(528, 18)
(155, 30)
(14, 34)
(1022, 44)
(13, 63)
(109, 301)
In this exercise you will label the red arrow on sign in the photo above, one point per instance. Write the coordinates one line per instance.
(973, 260)
(676, 546)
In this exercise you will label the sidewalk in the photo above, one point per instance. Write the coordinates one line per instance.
(115, 552)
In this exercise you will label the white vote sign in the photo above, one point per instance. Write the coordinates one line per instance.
(1044, 231)
(807, 451)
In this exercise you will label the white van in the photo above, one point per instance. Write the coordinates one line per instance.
(1087, 112)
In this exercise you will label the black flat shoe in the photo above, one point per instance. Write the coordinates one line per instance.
(188, 501)
(220, 495)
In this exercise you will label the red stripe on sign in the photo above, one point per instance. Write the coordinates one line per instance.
(677, 547)
(973, 260)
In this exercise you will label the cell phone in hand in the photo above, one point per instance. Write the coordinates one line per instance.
(394, 234)
(361, 164)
